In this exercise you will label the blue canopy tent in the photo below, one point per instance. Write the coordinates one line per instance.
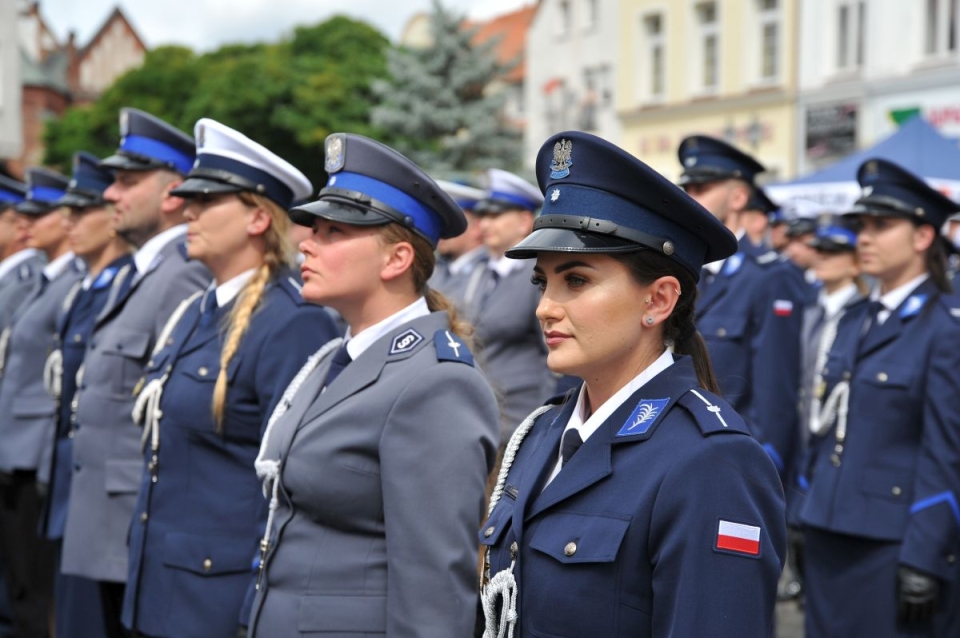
(916, 146)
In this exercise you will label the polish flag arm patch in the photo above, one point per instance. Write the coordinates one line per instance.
(782, 307)
(738, 538)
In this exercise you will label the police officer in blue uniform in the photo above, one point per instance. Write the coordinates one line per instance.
(880, 514)
(377, 457)
(228, 356)
(640, 506)
(93, 240)
(748, 313)
(27, 412)
(756, 215)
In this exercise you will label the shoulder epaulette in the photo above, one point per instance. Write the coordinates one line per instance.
(712, 414)
(451, 348)
(767, 258)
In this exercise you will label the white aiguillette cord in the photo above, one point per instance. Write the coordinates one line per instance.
(503, 584)
(268, 470)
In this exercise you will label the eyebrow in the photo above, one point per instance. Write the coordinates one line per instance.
(567, 265)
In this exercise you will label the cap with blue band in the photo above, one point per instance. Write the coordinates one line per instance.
(834, 234)
(230, 162)
(372, 184)
(44, 190)
(148, 143)
(506, 192)
(892, 191)
(11, 191)
(88, 183)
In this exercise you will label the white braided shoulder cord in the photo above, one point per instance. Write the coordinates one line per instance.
(269, 469)
(53, 373)
(4, 341)
(503, 584)
(146, 408)
(836, 406)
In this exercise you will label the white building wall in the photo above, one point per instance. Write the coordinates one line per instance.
(559, 61)
(10, 117)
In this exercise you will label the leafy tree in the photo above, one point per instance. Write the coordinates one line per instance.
(438, 104)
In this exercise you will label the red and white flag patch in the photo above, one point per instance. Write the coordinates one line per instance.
(782, 307)
(738, 538)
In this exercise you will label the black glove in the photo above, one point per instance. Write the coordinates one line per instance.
(919, 595)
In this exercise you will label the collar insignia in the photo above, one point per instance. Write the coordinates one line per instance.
(405, 341)
(643, 416)
(913, 306)
(562, 159)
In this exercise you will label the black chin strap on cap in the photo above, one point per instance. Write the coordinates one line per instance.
(605, 227)
(356, 198)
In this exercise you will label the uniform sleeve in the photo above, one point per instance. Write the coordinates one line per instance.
(775, 354)
(932, 540)
(189, 279)
(437, 448)
(705, 585)
(304, 330)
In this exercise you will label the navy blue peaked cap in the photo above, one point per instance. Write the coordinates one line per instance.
(371, 184)
(45, 189)
(892, 191)
(706, 159)
(834, 233)
(759, 201)
(148, 143)
(11, 192)
(89, 182)
(600, 199)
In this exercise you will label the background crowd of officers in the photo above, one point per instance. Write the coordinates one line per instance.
(844, 364)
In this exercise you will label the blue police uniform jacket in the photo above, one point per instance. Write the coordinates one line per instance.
(200, 510)
(750, 316)
(625, 540)
(895, 478)
(74, 328)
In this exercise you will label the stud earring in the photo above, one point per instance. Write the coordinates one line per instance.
(647, 301)
(649, 321)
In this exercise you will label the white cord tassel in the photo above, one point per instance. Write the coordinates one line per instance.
(4, 342)
(503, 584)
(147, 412)
(53, 374)
(269, 469)
(836, 406)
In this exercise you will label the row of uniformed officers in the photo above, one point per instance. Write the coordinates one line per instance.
(219, 460)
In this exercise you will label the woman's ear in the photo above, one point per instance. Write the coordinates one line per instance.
(398, 259)
(259, 222)
(663, 294)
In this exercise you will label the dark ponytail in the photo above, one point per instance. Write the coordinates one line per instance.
(679, 329)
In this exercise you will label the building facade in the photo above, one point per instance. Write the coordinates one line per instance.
(572, 60)
(868, 66)
(10, 119)
(725, 68)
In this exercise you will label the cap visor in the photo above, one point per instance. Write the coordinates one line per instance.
(75, 200)
(125, 163)
(828, 246)
(198, 186)
(307, 214)
(30, 207)
(563, 240)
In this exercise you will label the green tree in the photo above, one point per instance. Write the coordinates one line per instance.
(438, 102)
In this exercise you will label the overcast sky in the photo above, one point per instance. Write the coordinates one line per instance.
(206, 24)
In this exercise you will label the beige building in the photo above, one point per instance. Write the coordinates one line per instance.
(725, 68)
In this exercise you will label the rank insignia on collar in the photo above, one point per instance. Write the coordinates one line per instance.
(913, 305)
(562, 159)
(643, 416)
(405, 341)
(336, 152)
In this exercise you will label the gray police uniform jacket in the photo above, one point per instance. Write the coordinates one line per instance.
(16, 286)
(511, 351)
(382, 482)
(107, 461)
(27, 412)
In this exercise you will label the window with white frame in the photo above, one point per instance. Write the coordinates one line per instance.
(851, 18)
(940, 36)
(563, 17)
(653, 84)
(591, 14)
(708, 26)
(768, 12)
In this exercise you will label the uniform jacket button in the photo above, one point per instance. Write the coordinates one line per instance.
(143, 517)
(570, 549)
(77, 338)
(896, 490)
(722, 332)
(487, 533)
(882, 377)
(846, 375)
(207, 564)
(203, 371)
(951, 559)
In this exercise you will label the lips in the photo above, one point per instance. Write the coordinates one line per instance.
(554, 337)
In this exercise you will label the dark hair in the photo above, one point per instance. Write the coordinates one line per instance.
(679, 329)
(936, 262)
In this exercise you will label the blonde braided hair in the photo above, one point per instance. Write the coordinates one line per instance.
(277, 253)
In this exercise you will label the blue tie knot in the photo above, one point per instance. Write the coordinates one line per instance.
(570, 444)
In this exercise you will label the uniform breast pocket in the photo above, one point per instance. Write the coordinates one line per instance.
(209, 555)
(128, 352)
(723, 328)
(573, 568)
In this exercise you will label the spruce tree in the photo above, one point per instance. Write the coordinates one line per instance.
(438, 106)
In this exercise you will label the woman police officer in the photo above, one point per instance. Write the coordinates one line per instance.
(220, 368)
(640, 506)
(880, 514)
(376, 461)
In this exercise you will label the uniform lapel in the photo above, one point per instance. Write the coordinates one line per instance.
(879, 336)
(543, 459)
(712, 293)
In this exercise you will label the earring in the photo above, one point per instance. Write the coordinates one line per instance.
(649, 321)
(647, 301)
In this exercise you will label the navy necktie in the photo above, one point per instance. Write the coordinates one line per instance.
(570, 444)
(340, 361)
(210, 306)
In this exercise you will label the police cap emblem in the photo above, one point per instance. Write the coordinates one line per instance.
(201, 135)
(336, 152)
(124, 123)
(562, 159)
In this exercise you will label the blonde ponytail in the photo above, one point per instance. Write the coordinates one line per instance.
(276, 254)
